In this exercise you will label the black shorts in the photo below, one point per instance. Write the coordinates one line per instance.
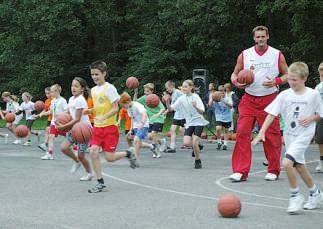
(29, 123)
(196, 130)
(224, 124)
(179, 122)
(156, 127)
(319, 132)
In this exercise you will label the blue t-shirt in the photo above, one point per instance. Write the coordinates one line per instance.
(222, 112)
(179, 113)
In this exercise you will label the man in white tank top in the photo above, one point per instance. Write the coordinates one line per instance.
(267, 64)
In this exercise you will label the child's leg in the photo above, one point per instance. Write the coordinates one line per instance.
(51, 139)
(172, 136)
(65, 148)
(195, 145)
(137, 143)
(305, 175)
(319, 167)
(218, 130)
(226, 137)
(46, 138)
(291, 173)
(82, 158)
(96, 163)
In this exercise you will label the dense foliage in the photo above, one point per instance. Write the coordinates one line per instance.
(43, 42)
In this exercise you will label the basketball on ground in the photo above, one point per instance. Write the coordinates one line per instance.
(245, 76)
(229, 206)
(39, 106)
(82, 132)
(22, 131)
(152, 100)
(132, 82)
(10, 117)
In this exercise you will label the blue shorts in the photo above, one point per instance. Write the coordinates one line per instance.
(140, 133)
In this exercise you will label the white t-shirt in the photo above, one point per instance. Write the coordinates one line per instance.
(319, 88)
(13, 107)
(111, 94)
(192, 117)
(75, 103)
(136, 111)
(27, 108)
(292, 107)
(58, 105)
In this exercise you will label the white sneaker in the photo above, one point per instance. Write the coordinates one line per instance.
(17, 142)
(319, 167)
(236, 177)
(6, 136)
(47, 156)
(163, 145)
(158, 154)
(313, 201)
(27, 143)
(271, 177)
(43, 147)
(295, 204)
(75, 167)
(153, 155)
(87, 177)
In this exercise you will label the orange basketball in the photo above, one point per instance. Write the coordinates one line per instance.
(152, 100)
(63, 118)
(10, 117)
(229, 206)
(217, 95)
(82, 132)
(132, 82)
(245, 76)
(22, 131)
(39, 106)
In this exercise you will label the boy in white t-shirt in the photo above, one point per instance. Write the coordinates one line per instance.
(139, 121)
(300, 108)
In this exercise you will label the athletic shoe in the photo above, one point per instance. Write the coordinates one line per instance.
(313, 201)
(158, 155)
(198, 164)
(97, 188)
(271, 177)
(87, 177)
(75, 167)
(219, 146)
(47, 156)
(27, 143)
(43, 147)
(17, 142)
(163, 145)
(133, 158)
(6, 136)
(295, 204)
(154, 150)
(170, 150)
(319, 167)
(265, 163)
(224, 147)
(236, 177)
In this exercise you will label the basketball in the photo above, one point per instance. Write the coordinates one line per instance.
(22, 131)
(82, 132)
(132, 82)
(245, 76)
(166, 99)
(229, 206)
(10, 117)
(39, 106)
(63, 118)
(152, 100)
(217, 95)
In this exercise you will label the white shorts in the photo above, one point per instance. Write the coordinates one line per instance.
(296, 147)
(17, 120)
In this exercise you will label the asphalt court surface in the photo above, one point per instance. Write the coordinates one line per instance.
(163, 193)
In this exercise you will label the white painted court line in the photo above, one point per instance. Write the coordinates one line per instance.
(219, 183)
(192, 194)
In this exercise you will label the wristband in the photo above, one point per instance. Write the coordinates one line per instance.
(278, 81)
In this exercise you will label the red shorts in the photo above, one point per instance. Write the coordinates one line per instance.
(106, 137)
(54, 131)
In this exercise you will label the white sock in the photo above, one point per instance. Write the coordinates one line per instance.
(225, 142)
(172, 145)
(313, 190)
(294, 191)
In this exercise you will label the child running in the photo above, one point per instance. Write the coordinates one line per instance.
(123, 115)
(156, 119)
(300, 107)
(139, 122)
(27, 106)
(58, 105)
(191, 105)
(76, 105)
(47, 103)
(105, 135)
(12, 106)
(5, 136)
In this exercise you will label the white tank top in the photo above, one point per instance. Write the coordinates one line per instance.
(263, 65)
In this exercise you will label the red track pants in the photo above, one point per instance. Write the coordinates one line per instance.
(251, 109)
